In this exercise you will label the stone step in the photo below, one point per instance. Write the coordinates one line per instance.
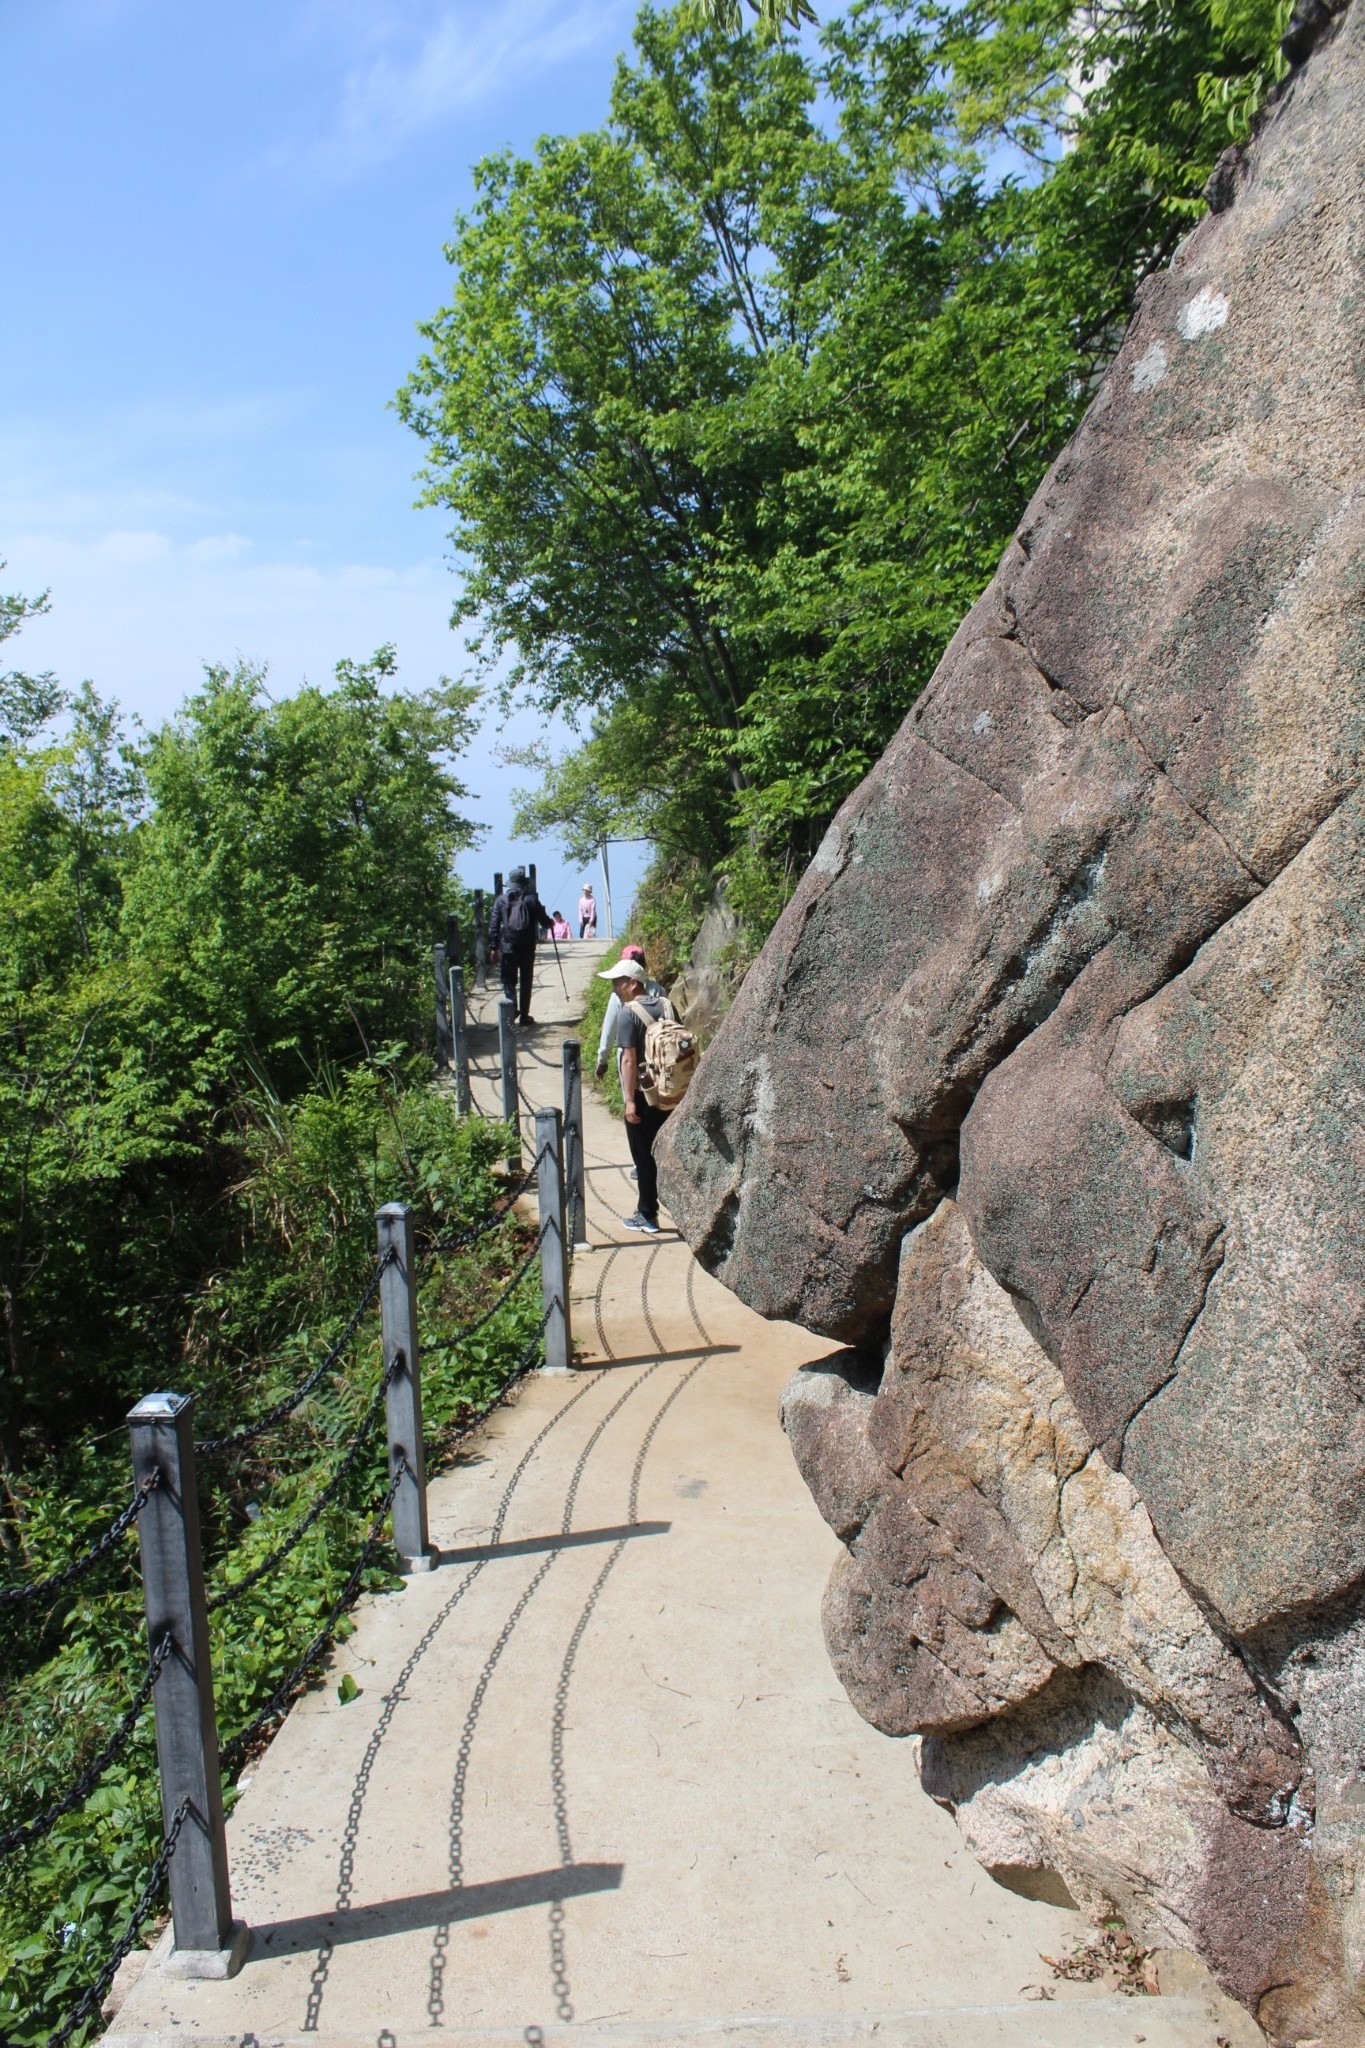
(1067, 2022)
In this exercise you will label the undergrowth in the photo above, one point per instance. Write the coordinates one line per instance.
(313, 1173)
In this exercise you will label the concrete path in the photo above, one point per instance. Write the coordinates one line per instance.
(600, 1784)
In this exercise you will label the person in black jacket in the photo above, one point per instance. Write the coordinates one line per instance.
(517, 921)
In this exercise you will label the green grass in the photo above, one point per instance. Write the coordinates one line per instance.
(599, 995)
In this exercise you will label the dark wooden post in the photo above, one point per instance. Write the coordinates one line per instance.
(531, 877)
(460, 1037)
(454, 942)
(438, 970)
(554, 1242)
(480, 944)
(398, 1313)
(574, 1170)
(208, 1942)
(511, 1100)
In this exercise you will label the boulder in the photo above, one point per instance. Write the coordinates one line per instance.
(1047, 1098)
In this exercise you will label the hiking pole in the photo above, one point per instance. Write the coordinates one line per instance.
(560, 965)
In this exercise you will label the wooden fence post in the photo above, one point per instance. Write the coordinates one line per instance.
(454, 941)
(480, 944)
(208, 1942)
(438, 970)
(574, 1170)
(554, 1242)
(403, 1401)
(460, 1037)
(511, 1099)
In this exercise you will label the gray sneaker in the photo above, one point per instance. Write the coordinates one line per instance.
(649, 1224)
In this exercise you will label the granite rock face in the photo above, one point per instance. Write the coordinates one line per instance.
(1047, 1097)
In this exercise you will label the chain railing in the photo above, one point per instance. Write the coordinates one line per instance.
(232, 1754)
(461, 1240)
(84, 1783)
(88, 2004)
(246, 1432)
(178, 1679)
(42, 1589)
(481, 1322)
(235, 1588)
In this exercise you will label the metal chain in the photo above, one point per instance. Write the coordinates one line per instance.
(559, 1789)
(396, 1693)
(231, 1754)
(245, 1431)
(90, 2000)
(226, 1594)
(461, 1239)
(38, 1589)
(81, 1787)
(481, 1322)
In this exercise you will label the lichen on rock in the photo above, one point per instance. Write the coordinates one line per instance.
(1047, 1097)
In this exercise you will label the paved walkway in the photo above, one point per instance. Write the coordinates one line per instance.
(600, 1784)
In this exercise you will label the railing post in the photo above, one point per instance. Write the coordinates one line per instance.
(403, 1401)
(454, 941)
(507, 1049)
(460, 1037)
(574, 1170)
(554, 1242)
(438, 970)
(208, 1942)
(480, 944)
(531, 876)
(497, 885)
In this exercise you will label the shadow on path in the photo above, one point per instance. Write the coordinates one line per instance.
(433, 1909)
(529, 1546)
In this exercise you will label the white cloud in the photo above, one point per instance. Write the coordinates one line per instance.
(409, 69)
(140, 612)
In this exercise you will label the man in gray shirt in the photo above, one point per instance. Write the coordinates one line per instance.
(643, 1121)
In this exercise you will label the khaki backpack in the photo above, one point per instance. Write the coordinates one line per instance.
(670, 1058)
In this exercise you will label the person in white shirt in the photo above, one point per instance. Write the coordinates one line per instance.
(653, 989)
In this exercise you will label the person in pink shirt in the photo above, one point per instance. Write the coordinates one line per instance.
(587, 913)
(559, 925)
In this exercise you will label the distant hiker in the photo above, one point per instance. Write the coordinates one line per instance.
(518, 918)
(587, 913)
(607, 1038)
(657, 1061)
(559, 925)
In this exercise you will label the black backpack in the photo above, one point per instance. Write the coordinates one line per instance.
(518, 918)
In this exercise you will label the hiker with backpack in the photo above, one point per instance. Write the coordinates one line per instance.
(606, 1042)
(517, 921)
(658, 1058)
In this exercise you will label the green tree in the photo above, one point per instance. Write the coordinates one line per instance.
(737, 399)
(26, 702)
(238, 906)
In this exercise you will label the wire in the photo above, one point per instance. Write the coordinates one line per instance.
(43, 1823)
(244, 1433)
(38, 1589)
(480, 1322)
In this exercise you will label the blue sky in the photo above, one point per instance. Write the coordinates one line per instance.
(224, 224)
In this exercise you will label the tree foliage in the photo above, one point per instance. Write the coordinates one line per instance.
(239, 903)
(737, 398)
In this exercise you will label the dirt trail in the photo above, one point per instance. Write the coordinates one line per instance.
(600, 1784)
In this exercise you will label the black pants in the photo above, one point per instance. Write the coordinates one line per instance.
(584, 927)
(640, 1138)
(519, 967)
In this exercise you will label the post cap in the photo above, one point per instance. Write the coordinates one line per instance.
(160, 1407)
